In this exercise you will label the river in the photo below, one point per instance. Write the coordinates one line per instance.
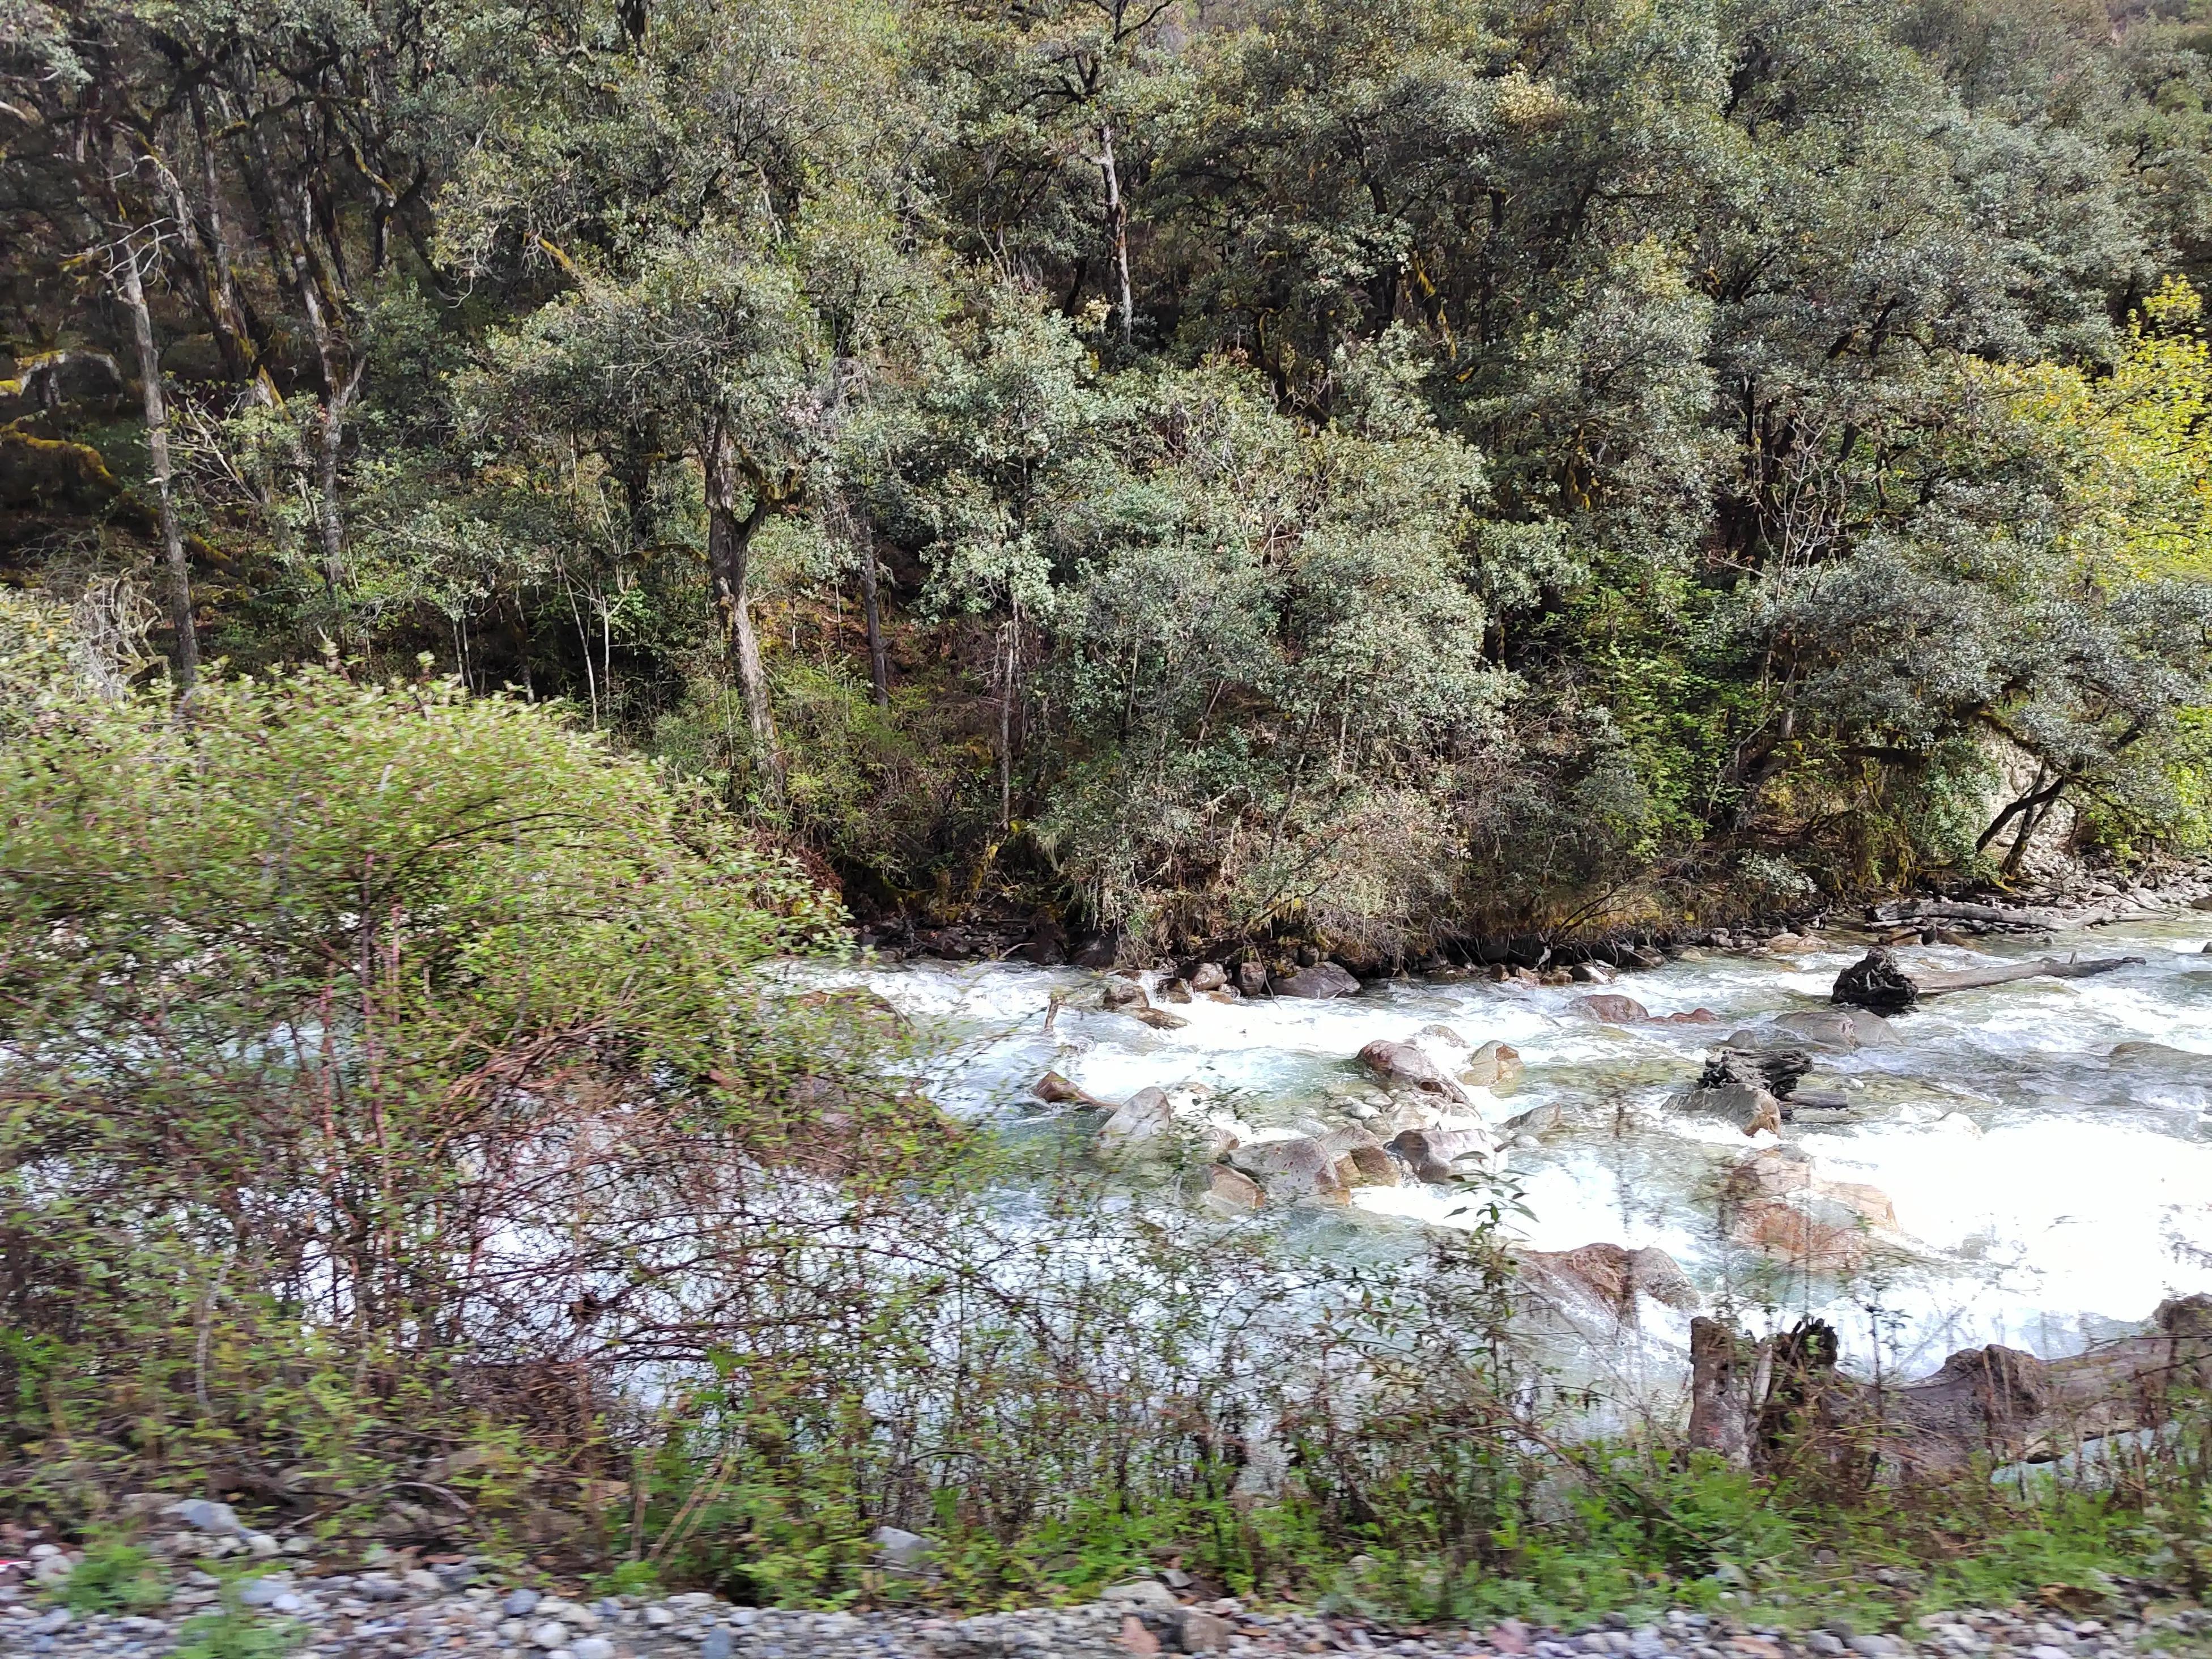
(2050, 1183)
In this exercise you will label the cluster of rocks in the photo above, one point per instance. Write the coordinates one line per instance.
(1416, 1124)
(454, 1609)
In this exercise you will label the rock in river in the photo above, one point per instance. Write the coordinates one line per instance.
(1612, 1276)
(1297, 1167)
(1495, 1066)
(1435, 1154)
(1146, 1117)
(1323, 980)
(1403, 1064)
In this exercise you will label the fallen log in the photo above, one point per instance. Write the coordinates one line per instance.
(1782, 1401)
(1878, 981)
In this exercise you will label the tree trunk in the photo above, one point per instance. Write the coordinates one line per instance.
(1117, 228)
(1878, 982)
(729, 559)
(1782, 1400)
(291, 226)
(157, 449)
(879, 668)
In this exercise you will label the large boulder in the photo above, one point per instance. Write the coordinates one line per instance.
(1612, 1276)
(1839, 1031)
(1209, 976)
(1748, 1105)
(1817, 1242)
(1611, 1008)
(1322, 981)
(1403, 1065)
(1231, 1192)
(1252, 978)
(1434, 1155)
(1297, 1167)
(1143, 1121)
(1749, 1090)
(1123, 993)
(1774, 1201)
(1778, 1173)
(1361, 1160)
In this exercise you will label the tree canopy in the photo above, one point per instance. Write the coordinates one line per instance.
(1383, 470)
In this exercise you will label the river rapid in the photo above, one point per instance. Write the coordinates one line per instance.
(2046, 1145)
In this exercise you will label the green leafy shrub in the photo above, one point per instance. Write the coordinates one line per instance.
(349, 1027)
(113, 1578)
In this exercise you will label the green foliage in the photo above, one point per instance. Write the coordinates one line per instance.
(305, 991)
(234, 1634)
(1375, 474)
(627, 1578)
(113, 1577)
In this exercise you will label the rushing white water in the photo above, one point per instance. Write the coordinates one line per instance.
(2047, 1189)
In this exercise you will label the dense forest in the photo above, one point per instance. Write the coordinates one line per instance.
(1189, 470)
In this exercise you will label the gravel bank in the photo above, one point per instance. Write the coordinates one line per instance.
(355, 1616)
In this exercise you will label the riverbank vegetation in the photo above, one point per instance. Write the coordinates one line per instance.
(1396, 473)
(419, 1131)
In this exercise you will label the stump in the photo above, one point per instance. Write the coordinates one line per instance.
(1878, 981)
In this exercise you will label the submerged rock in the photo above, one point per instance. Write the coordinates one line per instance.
(1611, 1008)
(1434, 1154)
(1613, 1276)
(1549, 1119)
(1835, 1031)
(1146, 1117)
(1495, 1066)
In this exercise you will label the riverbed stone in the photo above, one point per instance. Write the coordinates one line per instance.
(1144, 1119)
(1322, 981)
(1404, 1065)
(1611, 1008)
(1231, 1192)
(1494, 1065)
(1296, 1167)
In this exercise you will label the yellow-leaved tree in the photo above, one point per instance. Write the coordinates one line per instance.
(2135, 444)
(2134, 448)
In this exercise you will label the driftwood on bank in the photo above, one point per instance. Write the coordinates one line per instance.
(1878, 981)
(1782, 1400)
(2044, 918)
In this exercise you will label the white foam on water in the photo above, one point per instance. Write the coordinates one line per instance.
(2044, 1194)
